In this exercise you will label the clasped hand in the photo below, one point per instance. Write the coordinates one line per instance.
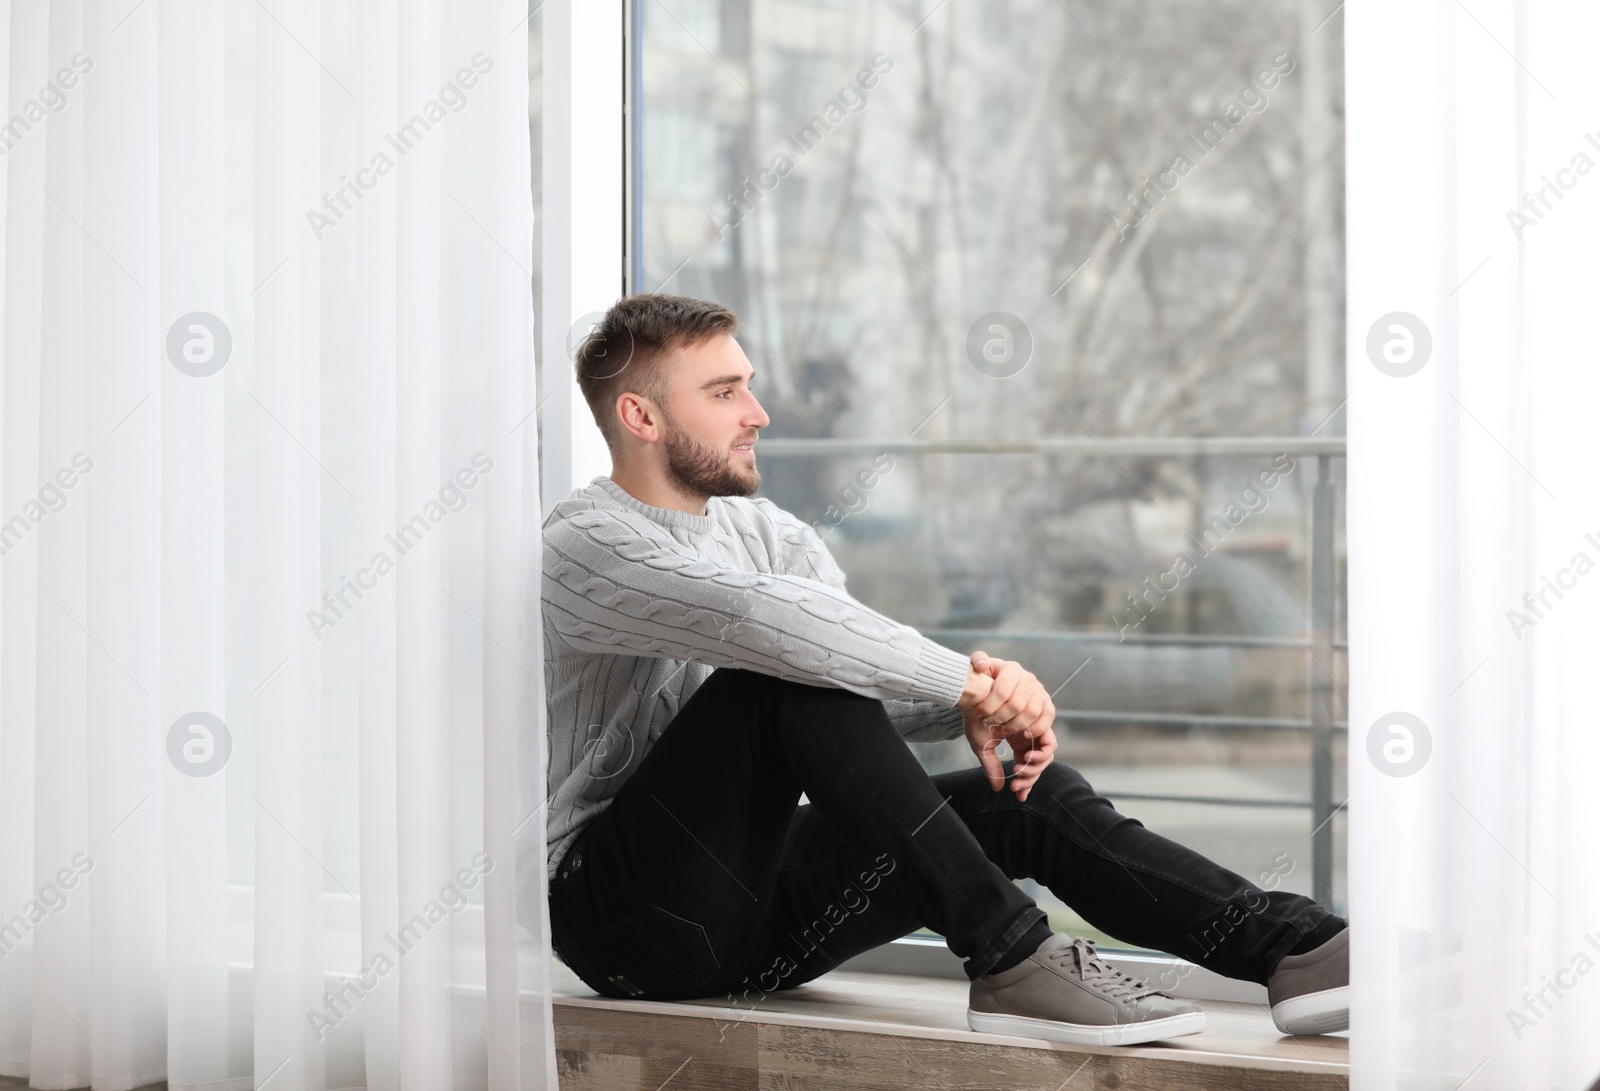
(1005, 703)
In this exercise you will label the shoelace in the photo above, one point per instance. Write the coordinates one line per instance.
(1101, 974)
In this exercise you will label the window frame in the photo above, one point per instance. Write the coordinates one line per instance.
(592, 191)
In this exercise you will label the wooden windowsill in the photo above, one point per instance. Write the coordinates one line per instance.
(869, 1031)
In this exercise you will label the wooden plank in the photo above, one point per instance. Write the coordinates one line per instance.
(802, 1059)
(599, 1049)
(930, 1007)
(651, 1046)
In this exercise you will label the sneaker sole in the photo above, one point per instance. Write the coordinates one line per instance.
(1315, 1013)
(1084, 1034)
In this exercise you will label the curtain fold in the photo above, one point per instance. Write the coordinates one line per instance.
(192, 183)
(60, 1000)
(1474, 525)
(121, 420)
(271, 723)
(27, 30)
(365, 334)
(422, 755)
(287, 794)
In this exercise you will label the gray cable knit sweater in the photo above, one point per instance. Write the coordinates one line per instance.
(641, 603)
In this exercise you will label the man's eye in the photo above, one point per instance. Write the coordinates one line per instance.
(726, 394)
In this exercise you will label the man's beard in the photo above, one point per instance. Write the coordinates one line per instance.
(698, 469)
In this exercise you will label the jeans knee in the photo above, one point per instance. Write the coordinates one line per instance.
(783, 702)
(1064, 783)
(738, 678)
(1071, 791)
(749, 688)
(745, 678)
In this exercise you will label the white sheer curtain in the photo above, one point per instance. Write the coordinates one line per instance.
(1474, 523)
(269, 647)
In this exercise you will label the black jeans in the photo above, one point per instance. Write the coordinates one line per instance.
(703, 876)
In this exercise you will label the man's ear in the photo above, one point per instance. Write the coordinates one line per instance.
(639, 416)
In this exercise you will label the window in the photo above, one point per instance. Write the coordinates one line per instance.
(1114, 239)
(685, 24)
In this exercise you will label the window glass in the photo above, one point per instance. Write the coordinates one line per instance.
(1112, 231)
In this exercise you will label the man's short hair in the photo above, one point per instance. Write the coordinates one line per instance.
(626, 350)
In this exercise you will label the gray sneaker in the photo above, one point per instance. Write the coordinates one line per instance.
(1064, 992)
(1310, 993)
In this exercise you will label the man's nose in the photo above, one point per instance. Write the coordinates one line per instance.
(761, 419)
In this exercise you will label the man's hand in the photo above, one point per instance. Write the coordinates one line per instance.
(1013, 707)
(1016, 700)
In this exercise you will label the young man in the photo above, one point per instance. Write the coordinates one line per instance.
(705, 666)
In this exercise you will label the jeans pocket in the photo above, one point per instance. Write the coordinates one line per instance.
(652, 954)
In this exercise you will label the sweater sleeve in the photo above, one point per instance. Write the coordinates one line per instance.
(919, 721)
(614, 586)
(804, 552)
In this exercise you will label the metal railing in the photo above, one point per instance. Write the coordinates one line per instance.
(1318, 645)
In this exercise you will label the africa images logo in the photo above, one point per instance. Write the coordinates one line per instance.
(452, 498)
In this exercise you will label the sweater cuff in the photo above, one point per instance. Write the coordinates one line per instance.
(941, 675)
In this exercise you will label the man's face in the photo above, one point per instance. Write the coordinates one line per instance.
(710, 420)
